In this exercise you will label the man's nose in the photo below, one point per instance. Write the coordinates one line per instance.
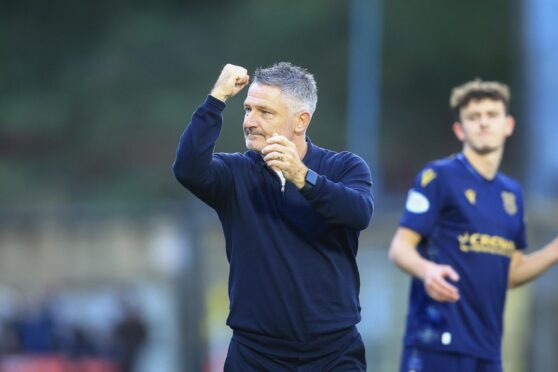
(483, 121)
(250, 120)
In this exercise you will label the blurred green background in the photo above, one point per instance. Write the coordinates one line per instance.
(93, 95)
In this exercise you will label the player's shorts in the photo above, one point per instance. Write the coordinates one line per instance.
(420, 360)
(350, 358)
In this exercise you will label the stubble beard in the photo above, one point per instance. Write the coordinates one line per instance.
(486, 149)
(253, 145)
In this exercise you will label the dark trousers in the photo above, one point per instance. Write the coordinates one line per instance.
(241, 358)
(418, 360)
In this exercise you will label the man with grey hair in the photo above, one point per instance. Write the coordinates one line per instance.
(291, 214)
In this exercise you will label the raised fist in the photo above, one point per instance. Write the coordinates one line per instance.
(231, 81)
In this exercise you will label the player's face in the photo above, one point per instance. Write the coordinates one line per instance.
(484, 126)
(266, 111)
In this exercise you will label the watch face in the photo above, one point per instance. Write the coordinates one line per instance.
(311, 177)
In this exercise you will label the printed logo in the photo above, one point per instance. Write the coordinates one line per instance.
(427, 176)
(510, 204)
(417, 202)
(471, 195)
(484, 243)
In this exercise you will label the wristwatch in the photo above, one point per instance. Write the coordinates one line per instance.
(310, 180)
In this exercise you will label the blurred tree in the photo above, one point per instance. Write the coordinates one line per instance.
(94, 95)
(430, 48)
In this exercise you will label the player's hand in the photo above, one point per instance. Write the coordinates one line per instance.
(436, 284)
(231, 81)
(281, 154)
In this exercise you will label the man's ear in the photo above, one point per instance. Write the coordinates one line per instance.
(302, 122)
(510, 122)
(458, 131)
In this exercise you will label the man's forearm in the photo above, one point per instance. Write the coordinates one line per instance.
(342, 205)
(409, 260)
(348, 202)
(195, 149)
(527, 267)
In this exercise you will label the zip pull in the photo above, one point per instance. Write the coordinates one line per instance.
(282, 179)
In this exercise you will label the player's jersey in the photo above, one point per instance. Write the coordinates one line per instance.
(474, 225)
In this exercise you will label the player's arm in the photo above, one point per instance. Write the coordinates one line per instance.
(403, 252)
(526, 267)
(195, 167)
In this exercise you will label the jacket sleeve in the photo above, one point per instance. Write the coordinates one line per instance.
(347, 200)
(196, 167)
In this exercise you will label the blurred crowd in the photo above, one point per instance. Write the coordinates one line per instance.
(63, 333)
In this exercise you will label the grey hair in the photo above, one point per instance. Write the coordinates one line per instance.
(295, 82)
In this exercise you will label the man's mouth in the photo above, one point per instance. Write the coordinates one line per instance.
(249, 133)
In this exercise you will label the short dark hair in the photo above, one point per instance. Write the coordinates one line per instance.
(476, 90)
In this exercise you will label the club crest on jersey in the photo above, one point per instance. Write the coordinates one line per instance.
(427, 176)
(510, 204)
(471, 195)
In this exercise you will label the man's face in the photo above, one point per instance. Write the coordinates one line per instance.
(266, 111)
(484, 125)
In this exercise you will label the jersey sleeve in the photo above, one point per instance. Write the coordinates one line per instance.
(424, 201)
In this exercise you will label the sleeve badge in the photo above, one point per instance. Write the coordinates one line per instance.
(417, 202)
